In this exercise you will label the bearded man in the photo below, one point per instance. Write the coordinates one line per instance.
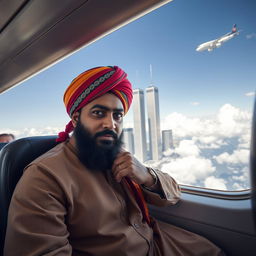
(87, 196)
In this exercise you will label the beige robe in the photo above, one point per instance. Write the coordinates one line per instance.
(61, 208)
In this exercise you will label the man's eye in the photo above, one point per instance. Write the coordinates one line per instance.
(118, 116)
(98, 113)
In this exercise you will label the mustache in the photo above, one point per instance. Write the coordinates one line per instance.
(106, 132)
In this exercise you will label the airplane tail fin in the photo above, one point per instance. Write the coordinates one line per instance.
(234, 28)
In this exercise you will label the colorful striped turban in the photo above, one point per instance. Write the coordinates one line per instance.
(92, 84)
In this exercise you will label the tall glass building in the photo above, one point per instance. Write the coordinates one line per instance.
(128, 139)
(154, 123)
(139, 125)
(167, 139)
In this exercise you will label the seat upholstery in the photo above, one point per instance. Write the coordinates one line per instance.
(2, 144)
(13, 159)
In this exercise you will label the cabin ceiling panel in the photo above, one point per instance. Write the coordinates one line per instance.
(8, 10)
(46, 31)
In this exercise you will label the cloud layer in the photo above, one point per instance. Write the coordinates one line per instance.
(28, 132)
(228, 122)
(250, 94)
(211, 152)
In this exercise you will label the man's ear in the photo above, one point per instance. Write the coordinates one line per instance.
(75, 118)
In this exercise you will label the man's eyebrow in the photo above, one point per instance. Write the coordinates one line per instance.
(107, 108)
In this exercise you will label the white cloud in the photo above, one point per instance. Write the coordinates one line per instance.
(27, 132)
(240, 156)
(229, 122)
(238, 186)
(233, 121)
(189, 170)
(206, 140)
(250, 94)
(250, 36)
(9, 131)
(215, 183)
(187, 148)
(243, 176)
(199, 137)
(195, 103)
(244, 141)
(168, 152)
(181, 125)
(210, 142)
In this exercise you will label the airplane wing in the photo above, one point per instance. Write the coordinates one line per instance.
(218, 42)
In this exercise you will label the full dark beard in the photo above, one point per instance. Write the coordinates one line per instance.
(96, 156)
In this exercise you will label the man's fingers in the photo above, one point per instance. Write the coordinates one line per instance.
(121, 174)
(120, 167)
(124, 165)
(121, 158)
(117, 166)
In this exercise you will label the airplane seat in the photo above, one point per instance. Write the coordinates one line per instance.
(13, 159)
(2, 144)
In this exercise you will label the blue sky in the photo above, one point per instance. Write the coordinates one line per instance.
(166, 39)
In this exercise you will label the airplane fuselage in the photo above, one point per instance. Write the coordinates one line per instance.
(210, 45)
(228, 37)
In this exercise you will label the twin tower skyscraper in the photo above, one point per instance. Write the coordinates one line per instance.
(143, 150)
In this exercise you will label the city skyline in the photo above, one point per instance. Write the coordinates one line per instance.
(135, 140)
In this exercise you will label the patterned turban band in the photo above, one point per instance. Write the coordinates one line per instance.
(92, 84)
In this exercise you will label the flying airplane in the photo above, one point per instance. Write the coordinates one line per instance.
(219, 41)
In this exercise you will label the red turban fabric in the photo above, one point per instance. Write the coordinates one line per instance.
(92, 84)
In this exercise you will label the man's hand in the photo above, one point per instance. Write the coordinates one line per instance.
(126, 165)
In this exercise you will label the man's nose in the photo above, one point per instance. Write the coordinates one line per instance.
(109, 122)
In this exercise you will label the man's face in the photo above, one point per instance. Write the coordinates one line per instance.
(103, 113)
(98, 132)
(6, 139)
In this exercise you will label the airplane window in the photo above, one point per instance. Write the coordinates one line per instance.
(192, 65)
